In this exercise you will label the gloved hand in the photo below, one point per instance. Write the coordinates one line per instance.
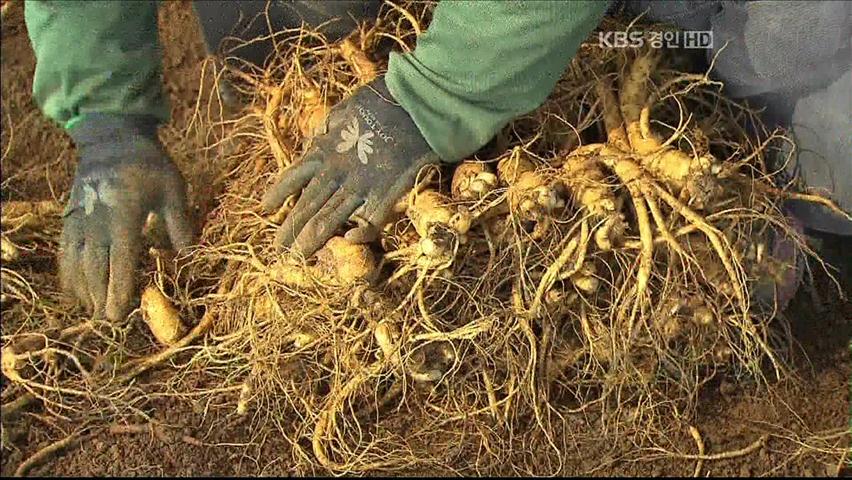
(123, 174)
(365, 161)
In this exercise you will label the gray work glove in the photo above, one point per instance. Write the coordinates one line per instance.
(123, 174)
(365, 161)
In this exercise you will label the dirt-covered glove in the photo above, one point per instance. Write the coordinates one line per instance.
(123, 174)
(365, 161)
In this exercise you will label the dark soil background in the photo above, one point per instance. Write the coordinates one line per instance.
(39, 165)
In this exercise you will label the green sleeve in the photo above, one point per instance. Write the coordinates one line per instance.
(96, 57)
(481, 64)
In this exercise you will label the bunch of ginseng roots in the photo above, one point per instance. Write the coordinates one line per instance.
(597, 260)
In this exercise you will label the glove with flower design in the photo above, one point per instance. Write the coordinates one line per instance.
(366, 159)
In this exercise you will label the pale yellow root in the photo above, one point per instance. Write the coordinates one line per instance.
(364, 68)
(724, 252)
(387, 337)
(590, 149)
(10, 363)
(161, 316)
(585, 279)
(717, 239)
(586, 181)
(632, 97)
(315, 109)
(16, 209)
(670, 165)
(646, 235)
(533, 195)
(552, 274)
(751, 448)
(142, 365)
(326, 420)
(246, 391)
(492, 397)
(31, 218)
(440, 225)
(699, 442)
(294, 275)
(555, 271)
(431, 208)
(339, 262)
(806, 197)
(348, 262)
(472, 180)
(9, 251)
(664, 162)
(665, 233)
(630, 174)
(530, 195)
(22, 348)
(270, 125)
(510, 168)
(613, 123)
(610, 233)
(608, 207)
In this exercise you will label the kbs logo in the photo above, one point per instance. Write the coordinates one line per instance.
(697, 39)
(634, 39)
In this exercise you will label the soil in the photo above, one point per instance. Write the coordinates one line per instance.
(39, 165)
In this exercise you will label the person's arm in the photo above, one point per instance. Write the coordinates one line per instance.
(480, 64)
(96, 57)
(98, 70)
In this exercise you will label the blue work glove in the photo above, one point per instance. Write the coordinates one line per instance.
(123, 174)
(364, 162)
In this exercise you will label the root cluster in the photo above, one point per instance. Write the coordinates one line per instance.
(601, 257)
